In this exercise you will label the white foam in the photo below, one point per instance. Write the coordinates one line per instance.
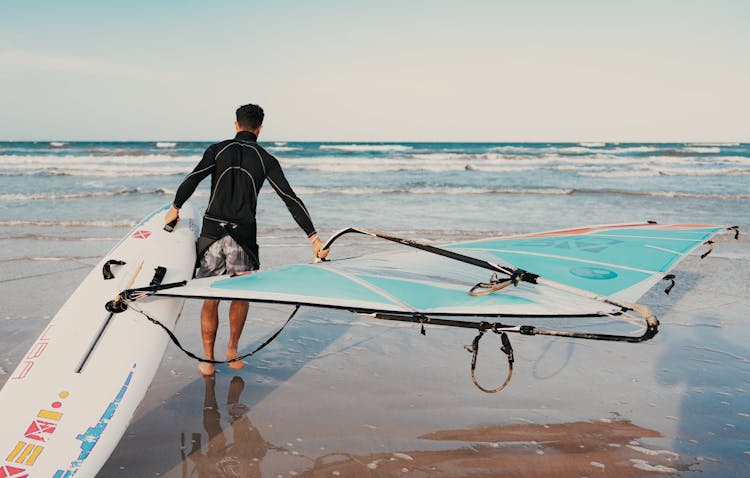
(80, 195)
(361, 148)
(514, 149)
(103, 224)
(715, 144)
(634, 149)
(639, 173)
(573, 150)
(282, 149)
(96, 159)
(646, 451)
(645, 170)
(303, 191)
(702, 149)
(645, 466)
(403, 456)
(57, 144)
(166, 144)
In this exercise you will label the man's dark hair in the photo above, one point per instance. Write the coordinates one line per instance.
(250, 116)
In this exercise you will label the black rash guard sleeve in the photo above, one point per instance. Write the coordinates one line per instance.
(191, 181)
(279, 183)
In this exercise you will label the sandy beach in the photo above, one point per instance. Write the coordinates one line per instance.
(339, 395)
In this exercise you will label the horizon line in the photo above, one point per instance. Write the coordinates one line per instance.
(67, 141)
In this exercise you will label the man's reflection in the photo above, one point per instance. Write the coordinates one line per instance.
(241, 456)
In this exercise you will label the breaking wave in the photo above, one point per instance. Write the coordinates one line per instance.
(78, 195)
(69, 223)
(362, 148)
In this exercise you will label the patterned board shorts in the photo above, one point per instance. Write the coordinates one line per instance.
(224, 256)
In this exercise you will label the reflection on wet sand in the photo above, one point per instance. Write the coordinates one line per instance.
(239, 457)
(570, 449)
(608, 447)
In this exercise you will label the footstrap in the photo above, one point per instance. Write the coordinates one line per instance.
(506, 348)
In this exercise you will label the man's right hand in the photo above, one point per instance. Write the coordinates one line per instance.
(172, 215)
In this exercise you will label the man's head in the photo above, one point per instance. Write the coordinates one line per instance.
(249, 118)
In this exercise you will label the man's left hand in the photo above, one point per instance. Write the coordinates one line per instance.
(318, 251)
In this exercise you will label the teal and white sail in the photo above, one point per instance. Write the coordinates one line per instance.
(595, 273)
(619, 262)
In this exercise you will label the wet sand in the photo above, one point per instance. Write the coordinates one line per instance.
(338, 395)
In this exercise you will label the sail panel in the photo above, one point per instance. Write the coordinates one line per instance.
(622, 262)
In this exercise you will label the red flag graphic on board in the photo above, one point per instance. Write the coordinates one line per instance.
(40, 430)
(9, 471)
(140, 234)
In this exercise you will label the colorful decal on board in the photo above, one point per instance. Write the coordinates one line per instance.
(141, 234)
(40, 430)
(91, 436)
(27, 451)
(9, 471)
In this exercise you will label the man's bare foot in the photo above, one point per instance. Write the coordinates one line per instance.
(206, 369)
(234, 365)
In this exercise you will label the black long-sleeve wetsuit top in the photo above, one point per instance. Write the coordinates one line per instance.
(238, 169)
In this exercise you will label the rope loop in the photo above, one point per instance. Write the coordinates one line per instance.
(495, 284)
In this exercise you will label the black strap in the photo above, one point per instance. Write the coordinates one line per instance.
(107, 268)
(669, 277)
(190, 354)
(159, 274)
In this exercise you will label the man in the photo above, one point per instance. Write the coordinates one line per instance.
(238, 168)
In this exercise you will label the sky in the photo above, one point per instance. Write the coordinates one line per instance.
(497, 71)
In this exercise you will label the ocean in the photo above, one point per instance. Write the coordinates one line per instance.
(340, 395)
(434, 191)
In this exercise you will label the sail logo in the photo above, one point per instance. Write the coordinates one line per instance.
(27, 451)
(595, 273)
(593, 245)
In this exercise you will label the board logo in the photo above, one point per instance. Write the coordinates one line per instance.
(28, 450)
(36, 351)
(141, 234)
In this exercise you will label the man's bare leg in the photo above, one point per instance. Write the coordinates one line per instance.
(209, 326)
(237, 316)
